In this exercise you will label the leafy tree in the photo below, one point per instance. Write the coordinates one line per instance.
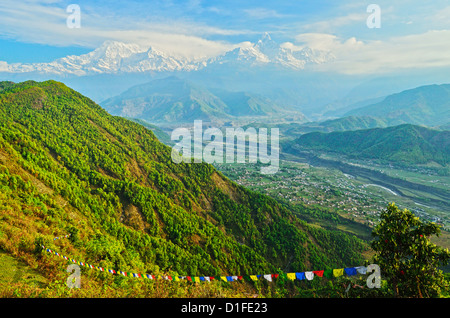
(408, 259)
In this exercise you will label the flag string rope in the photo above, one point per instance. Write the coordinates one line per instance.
(306, 275)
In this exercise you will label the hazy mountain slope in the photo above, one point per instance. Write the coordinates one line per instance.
(339, 124)
(247, 104)
(425, 105)
(67, 166)
(173, 100)
(167, 100)
(291, 131)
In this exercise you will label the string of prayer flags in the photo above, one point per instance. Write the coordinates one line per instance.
(309, 275)
(57, 238)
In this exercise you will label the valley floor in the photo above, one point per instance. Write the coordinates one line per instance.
(354, 197)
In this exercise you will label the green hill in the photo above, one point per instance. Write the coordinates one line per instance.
(345, 123)
(408, 144)
(68, 167)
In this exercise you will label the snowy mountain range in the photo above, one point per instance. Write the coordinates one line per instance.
(114, 57)
(268, 52)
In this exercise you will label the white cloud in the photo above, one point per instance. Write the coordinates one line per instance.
(441, 17)
(175, 44)
(34, 22)
(425, 50)
(337, 22)
(263, 13)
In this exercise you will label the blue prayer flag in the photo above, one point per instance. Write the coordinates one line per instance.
(300, 276)
(350, 271)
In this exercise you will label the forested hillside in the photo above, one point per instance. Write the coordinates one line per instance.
(406, 144)
(68, 167)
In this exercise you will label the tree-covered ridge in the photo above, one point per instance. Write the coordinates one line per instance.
(407, 144)
(67, 166)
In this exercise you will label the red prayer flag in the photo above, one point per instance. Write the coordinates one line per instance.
(318, 273)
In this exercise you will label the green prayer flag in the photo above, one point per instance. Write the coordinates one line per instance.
(328, 273)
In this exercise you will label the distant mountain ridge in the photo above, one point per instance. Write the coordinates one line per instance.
(174, 100)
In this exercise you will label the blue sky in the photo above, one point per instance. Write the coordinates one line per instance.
(36, 30)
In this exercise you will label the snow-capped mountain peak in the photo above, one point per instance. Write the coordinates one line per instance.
(105, 59)
(116, 49)
(267, 46)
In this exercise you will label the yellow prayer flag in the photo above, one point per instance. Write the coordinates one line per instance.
(338, 272)
(291, 276)
(254, 277)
